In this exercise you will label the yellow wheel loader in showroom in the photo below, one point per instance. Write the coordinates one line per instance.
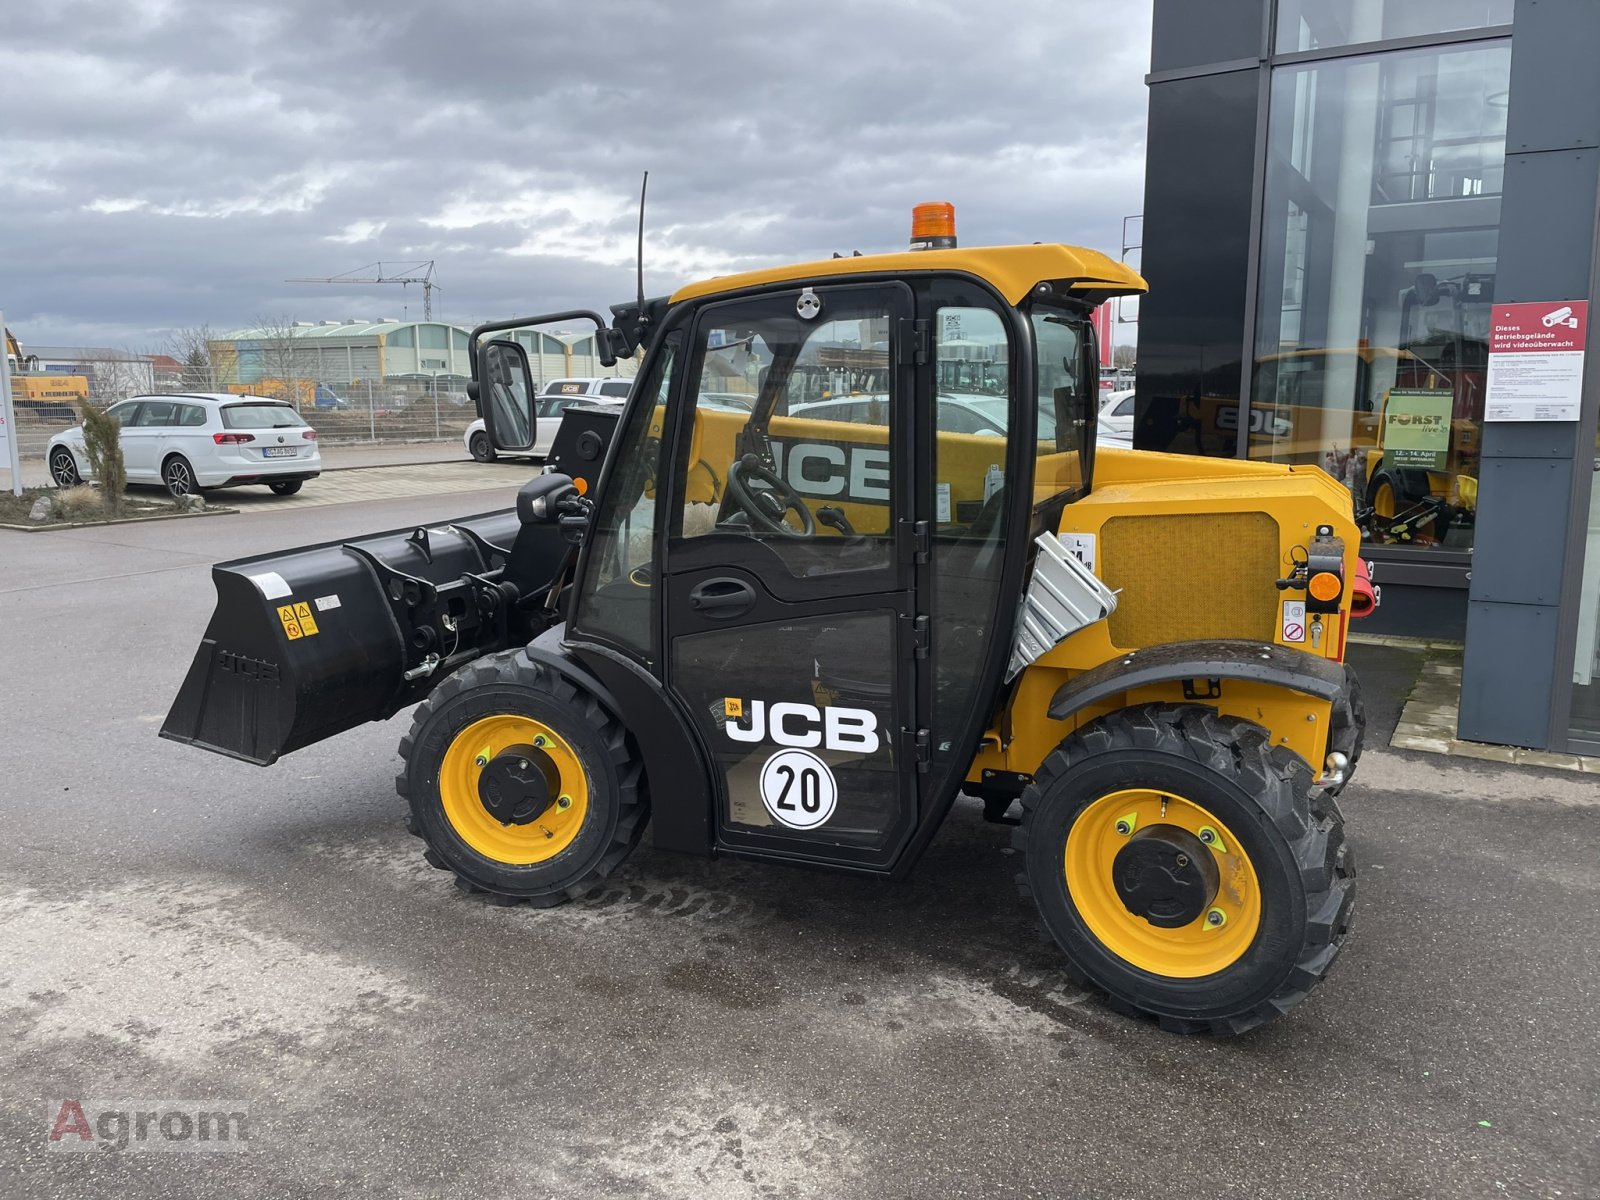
(813, 583)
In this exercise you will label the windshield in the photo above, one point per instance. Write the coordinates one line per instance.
(1064, 396)
(260, 416)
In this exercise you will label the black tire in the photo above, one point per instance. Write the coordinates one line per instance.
(1292, 832)
(285, 487)
(64, 468)
(618, 804)
(482, 451)
(1347, 727)
(178, 477)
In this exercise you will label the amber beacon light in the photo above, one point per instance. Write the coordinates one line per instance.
(933, 226)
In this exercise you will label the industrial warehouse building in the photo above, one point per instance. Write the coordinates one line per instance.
(1370, 237)
(341, 353)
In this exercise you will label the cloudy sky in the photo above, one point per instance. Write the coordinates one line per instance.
(171, 162)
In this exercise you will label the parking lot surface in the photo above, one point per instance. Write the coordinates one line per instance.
(178, 929)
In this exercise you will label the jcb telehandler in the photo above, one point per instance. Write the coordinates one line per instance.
(813, 583)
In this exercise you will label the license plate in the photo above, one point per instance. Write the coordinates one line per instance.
(279, 452)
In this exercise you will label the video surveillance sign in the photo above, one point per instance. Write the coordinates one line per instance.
(1536, 361)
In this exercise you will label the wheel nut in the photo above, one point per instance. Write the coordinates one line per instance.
(1183, 860)
(564, 802)
(1124, 828)
(1216, 918)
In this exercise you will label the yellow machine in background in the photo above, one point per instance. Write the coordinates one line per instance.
(47, 395)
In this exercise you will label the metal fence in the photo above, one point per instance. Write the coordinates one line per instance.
(370, 412)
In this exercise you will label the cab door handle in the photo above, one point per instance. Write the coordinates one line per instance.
(723, 598)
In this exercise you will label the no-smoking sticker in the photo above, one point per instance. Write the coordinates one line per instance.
(1294, 621)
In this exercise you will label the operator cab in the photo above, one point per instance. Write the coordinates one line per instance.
(803, 529)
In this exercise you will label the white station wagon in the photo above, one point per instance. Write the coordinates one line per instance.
(200, 440)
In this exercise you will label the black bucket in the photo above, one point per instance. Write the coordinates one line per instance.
(311, 642)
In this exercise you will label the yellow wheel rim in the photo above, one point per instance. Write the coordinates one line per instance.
(1383, 501)
(1204, 946)
(516, 845)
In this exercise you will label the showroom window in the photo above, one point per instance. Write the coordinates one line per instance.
(1586, 662)
(1380, 229)
(1320, 24)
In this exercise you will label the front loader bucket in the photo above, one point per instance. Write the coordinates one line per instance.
(311, 642)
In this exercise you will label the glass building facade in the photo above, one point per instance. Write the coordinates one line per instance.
(1323, 235)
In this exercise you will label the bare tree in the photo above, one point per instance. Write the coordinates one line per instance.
(286, 358)
(192, 346)
(1124, 355)
(116, 374)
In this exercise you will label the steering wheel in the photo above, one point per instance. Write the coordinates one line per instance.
(768, 506)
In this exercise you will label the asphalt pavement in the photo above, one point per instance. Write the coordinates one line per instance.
(181, 932)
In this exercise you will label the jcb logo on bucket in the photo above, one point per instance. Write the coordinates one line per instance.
(803, 726)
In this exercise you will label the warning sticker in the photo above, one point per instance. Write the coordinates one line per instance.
(1294, 621)
(297, 621)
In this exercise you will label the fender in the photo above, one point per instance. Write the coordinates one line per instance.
(681, 808)
(1222, 658)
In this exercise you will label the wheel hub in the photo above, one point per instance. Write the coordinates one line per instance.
(1166, 875)
(519, 785)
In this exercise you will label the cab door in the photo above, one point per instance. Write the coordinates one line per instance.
(789, 621)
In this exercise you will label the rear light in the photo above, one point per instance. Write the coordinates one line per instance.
(232, 439)
(310, 435)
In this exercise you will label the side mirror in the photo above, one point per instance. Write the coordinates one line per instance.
(505, 395)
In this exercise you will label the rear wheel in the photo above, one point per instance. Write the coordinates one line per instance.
(481, 449)
(285, 487)
(521, 783)
(64, 468)
(178, 476)
(1187, 867)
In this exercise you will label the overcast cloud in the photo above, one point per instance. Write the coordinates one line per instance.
(170, 162)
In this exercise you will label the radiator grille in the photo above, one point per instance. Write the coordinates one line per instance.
(1189, 576)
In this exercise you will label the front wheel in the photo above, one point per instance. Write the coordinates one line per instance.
(285, 487)
(482, 451)
(1187, 867)
(521, 783)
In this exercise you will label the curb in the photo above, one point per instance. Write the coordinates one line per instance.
(177, 516)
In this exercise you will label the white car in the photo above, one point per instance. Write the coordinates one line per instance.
(200, 440)
(1116, 421)
(552, 402)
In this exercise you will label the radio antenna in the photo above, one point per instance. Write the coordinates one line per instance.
(639, 257)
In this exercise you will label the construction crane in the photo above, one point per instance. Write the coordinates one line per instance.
(401, 273)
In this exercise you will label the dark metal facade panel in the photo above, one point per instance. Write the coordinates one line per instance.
(1199, 33)
(1547, 221)
(1521, 530)
(1552, 76)
(1197, 250)
(1517, 669)
(1509, 703)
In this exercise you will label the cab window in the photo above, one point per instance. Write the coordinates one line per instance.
(790, 441)
(1063, 396)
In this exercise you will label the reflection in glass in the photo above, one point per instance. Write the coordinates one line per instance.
(1377, 279)
(1319, 24)
(1586, 663)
